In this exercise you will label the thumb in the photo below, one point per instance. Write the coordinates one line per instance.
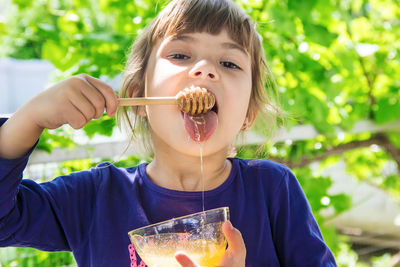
(184, 260)
(236, 244)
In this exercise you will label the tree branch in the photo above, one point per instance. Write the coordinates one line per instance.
(390, 148)
(370, 83)
(380, 140)
(370, 80)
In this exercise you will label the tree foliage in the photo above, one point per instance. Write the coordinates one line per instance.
(335, 62)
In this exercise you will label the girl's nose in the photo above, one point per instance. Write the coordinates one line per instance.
(205, 70)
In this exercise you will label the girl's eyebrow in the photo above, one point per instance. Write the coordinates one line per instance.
(230, 45)
(180, 37)
(226, 45)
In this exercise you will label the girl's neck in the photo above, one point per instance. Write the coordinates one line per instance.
(182, 172)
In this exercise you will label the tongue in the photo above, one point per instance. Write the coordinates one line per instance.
(201, 127)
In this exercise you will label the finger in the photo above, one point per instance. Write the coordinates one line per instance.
(80, 102)
(184, 260)
(236, 244)
(109, 95)
(74, 117)
(95, 97)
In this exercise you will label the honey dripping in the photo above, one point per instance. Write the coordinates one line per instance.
(199, 123)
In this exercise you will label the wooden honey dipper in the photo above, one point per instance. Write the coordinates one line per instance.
(193, 101)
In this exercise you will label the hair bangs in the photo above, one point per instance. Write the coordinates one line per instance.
(210, 16)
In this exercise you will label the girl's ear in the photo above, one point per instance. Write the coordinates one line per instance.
(138, 110)
(250, 118)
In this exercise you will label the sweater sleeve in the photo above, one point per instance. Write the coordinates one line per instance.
(10, 177)
(297, 236)
(51, 216)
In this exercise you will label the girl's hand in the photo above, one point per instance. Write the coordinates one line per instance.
(74, 101)
(234, 256)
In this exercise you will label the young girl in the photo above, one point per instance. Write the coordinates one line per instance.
(209, 44)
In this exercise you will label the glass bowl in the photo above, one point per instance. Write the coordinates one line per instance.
(199, 235)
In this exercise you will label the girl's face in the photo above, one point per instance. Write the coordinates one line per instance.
(214, 62)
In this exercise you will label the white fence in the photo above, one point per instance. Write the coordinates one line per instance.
(20, 80)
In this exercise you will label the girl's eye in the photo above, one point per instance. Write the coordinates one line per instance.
(178, 56)
(229, 65)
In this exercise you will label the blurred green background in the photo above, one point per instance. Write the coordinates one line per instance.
(336, 63)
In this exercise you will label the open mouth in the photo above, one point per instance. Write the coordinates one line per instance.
(200, 127)
(215, 107)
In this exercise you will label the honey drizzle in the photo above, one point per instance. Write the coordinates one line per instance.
(202, 173)
(198, 122)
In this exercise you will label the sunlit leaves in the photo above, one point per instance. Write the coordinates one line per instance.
(360, 29)
(60, 56)
(392, 184)
(68, 167)
(59, 138)
(301, 8)
(31, 257)
(387, 109)
(369, 162)
(319, 34)
(103, 126)
(22, 4)
(343, 48)
(317, 192)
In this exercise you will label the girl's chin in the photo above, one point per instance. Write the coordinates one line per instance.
(208, 148)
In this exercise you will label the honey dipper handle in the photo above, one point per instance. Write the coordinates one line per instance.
(142, 101)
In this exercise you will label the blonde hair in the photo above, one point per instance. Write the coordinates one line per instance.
(188, 16)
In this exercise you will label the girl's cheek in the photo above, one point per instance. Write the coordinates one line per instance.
(170, 66)
(166, 71)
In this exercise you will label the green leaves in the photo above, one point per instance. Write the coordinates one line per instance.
(387, 109)
(61, 57)
(319, 34)
(301, 8)
(103, 126)
(59, 138)
(317, 192)
(23, 4)
(31, 257)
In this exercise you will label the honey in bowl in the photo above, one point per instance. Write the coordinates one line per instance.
(199, 235)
